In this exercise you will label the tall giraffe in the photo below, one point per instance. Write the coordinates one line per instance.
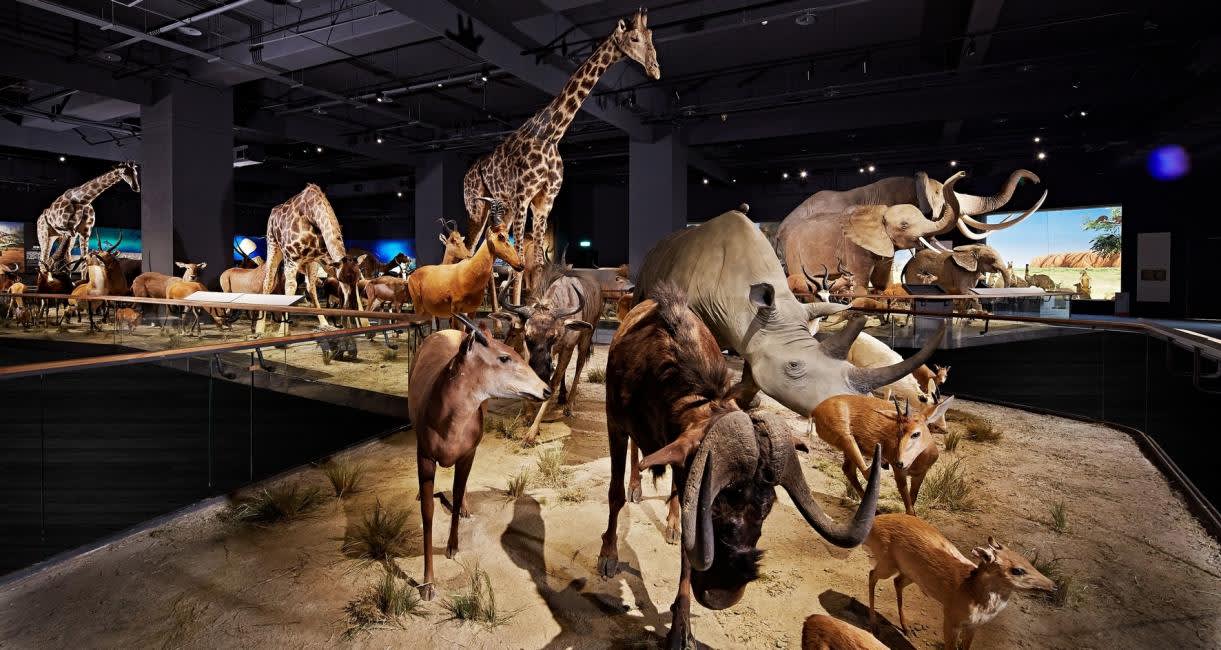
(300, 232)
(71, 216)
(525, 171)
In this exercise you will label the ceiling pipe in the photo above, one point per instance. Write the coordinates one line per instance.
(181, 22)
(401, 90)
(68, 119)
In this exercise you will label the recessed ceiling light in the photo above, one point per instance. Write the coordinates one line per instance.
(1038, 139)
(1042, 155)
(109, 56)
(785, 176)
(705, 181)
(440, 85)
(318, 149)
(803, 173)
(483, 78)
(63, 159)
(763, 22)
(861, 170)
(953, 163)
(872, 168)
(1083, 113)
(187, 30)
(379, 139)
(733, 180)
(400, 195)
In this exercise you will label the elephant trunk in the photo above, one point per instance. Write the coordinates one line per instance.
(1006, 278)
(951, 209)
(979, 205)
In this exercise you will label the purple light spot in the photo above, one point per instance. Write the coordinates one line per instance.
(1168, 162)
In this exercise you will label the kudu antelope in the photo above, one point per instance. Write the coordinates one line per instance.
(445, 290)
(668, 390)
(913, 550)
(854, 424)
(453, 375)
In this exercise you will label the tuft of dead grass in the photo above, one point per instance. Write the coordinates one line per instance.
(977, 429)
(947, 488)
(385, 603)
(381, 536)
(572, 494)
(596, 376)
(518, 483)
(551, 471)
(1059, 517)
(506, 427)
(1070, 591)
(478, 603)
(344, 477)
(275, 504)
(951, 441)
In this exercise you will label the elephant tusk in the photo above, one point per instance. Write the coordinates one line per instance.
(962, 228)
(935, 246)
(1011, 221)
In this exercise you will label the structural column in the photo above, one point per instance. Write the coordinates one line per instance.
(438, 193)
(186, 178)
(657, 194)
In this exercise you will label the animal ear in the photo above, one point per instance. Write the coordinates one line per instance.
(180, 265)
(940, 409)
(965, 260)
(201, 265)
(442, 239)
(676, 452)
(986, 554)
(866, 228)
(763, 295)
(621, 27)
(799, 443)
(995, 544)
(578, 326)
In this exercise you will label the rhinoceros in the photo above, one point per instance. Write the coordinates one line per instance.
(735, 284)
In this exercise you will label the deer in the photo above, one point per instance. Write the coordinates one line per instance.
(454, 375)
(823, 632)
(154, 285)
(913, 550)
(853, 423)
(444, 290)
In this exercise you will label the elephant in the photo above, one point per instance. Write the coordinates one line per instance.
(864, 227)
(958, 271)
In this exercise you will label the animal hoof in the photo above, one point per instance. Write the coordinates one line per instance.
(567, 411)
(680, 638)
(450, 552)
(608, 565)
(427, 592)
(464, 513)
(672, 534)
(633, 493)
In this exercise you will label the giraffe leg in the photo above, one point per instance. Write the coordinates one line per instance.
(311, 288)
(290, 288)
(519, 235)
(542, 210)
(274, 257)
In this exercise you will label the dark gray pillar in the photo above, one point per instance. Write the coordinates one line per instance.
(438, 193)
(187, 178)
(657, 194)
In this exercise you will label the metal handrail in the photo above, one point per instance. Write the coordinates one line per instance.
(316, 311)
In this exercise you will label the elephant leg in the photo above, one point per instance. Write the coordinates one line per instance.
(880, 276)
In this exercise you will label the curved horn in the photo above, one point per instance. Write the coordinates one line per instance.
(837, 345)
(842, 535)
(979, 225)
(474, 330)
(727, 452)
(110, 251)
(866, 380)
(826, 278)
(809, 278)
(977, 205)
(496, 209)
(580, 305)
(444, 226)
(452, 225)
(951, 210)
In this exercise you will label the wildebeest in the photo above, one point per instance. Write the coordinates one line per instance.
(668, 391)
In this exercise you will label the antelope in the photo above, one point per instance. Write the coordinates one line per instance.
(128, 317)
(347, 274)
(444, 290)
(155, 285)
(247, 280)
(853, 423)
(454, 243)
(179, 291)
(453, 376)
(15, 305)
(937, 374)
(913, 550)
(822, 632)
(53, 277)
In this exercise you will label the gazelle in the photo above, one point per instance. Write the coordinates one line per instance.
(855, 423)
(912, 550)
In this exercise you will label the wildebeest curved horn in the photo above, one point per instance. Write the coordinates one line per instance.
(866, 380)
(842, 535)
(479, 337)
(837, 345)
(580, 305)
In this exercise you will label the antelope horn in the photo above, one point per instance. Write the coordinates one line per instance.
(898, 413)
(110, 251)
(810, 279)
(453, 225)
(479, 337)
(444, 226)
(826, 278)
(907, 407)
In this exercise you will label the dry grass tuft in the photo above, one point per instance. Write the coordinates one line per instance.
(1070, 591)
(596, 376)
(1059, 517)
(947, 488)
(551, 470)
(390, 354)
(518, 483)
(951, 440)
(381, 536)
(278, 503)
(573, 494)
(383, 604)
(344, 477)
(507, 427)
(478, 604)
(977, 429)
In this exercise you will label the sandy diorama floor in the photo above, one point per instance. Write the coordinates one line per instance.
(1145, 574)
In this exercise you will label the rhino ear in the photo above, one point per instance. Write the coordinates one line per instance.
(866, 228)
(966, 260)
(763, 295)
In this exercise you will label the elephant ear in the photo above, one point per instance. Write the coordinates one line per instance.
(966, 260)
(928, 195)
(866, 228)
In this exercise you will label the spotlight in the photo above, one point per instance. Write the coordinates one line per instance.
(1083, 113)
(1042, 155)
(872, 169)
(705, 181)
(1038, 139)
(763, 22)
(953, 163)
(318, 149)
(383, 98)
(400, 194)
(733, 180)
(63, 159)
(440, 84)
(861, 170)
(483, 78)
(785, 176)
(803, 173)
(379, 139)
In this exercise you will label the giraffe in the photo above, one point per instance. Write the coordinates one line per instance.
(300, 232)
(525, 171)
(71, 216)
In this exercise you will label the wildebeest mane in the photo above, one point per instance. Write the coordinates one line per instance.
(706, 376)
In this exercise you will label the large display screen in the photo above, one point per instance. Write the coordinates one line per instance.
(130, 242)
(1060, 244)
(383, 249)
(12, 244)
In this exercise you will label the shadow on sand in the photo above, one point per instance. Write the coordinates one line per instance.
(851, 610)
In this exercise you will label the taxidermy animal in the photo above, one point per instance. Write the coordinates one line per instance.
(69, 220)
(525, 171)
(127, 317)
(553, 328)
(446, 289)
(938, 375)
(912, 550)
(957, 271)
(866, 225)
(386, 289)
(736, 286)
(154, 285)
(454, 243)
(1040, 280)
(668, 391)
(868, 352)
(855, 424)
(823, 632)
(453, 375)
(1082, 287)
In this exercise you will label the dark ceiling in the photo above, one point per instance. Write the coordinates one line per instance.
(757, 88)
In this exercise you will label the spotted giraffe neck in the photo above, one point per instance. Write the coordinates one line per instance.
(89, 191)
(550, 123)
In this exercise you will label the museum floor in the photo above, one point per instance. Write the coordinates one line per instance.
(1140, 572)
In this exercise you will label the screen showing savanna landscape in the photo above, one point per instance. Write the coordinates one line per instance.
(12, 244)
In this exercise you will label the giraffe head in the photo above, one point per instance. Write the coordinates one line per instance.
(130, 172)
(636, 43)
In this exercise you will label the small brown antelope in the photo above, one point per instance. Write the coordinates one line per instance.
(127, 317)
(822, 632)
(454, 374)
(937, 374)
(855, 423)
(912, 550)
(454, 243)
